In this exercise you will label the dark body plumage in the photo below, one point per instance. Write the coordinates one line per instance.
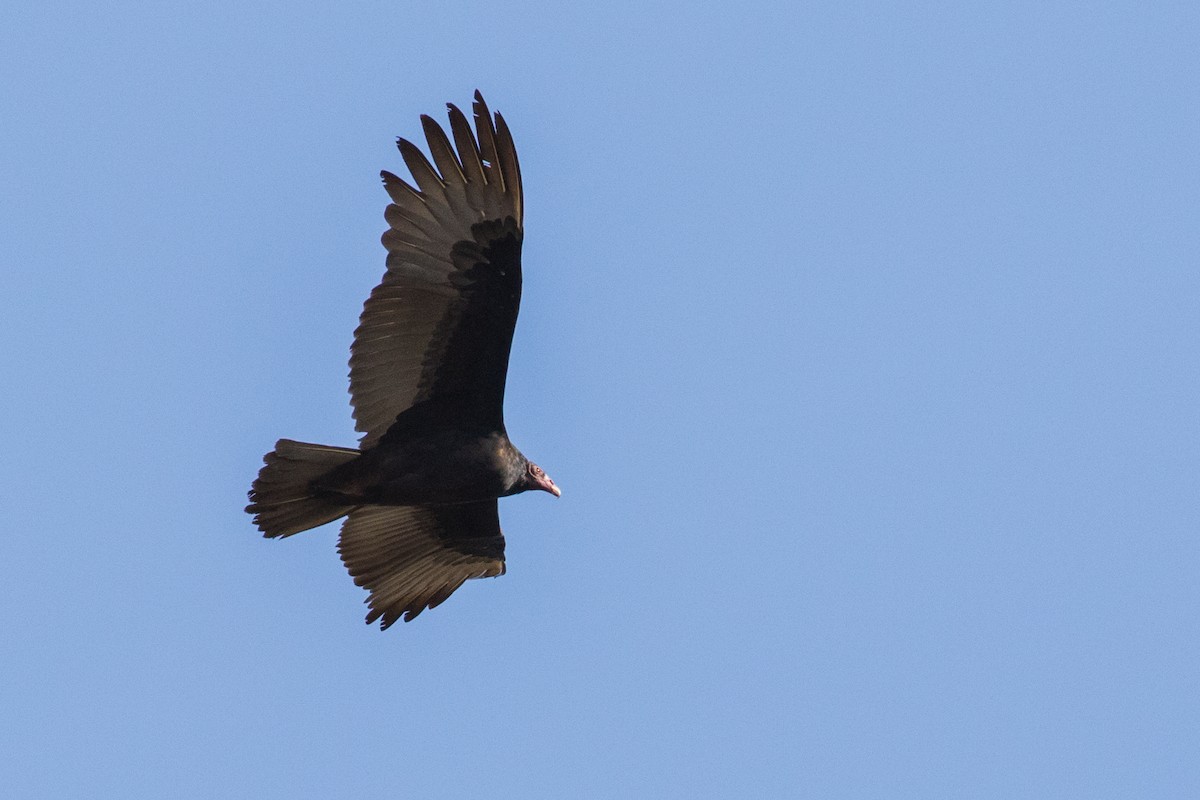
(427, 374)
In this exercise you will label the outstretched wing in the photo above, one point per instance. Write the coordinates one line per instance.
(411, 558)
(439, 327)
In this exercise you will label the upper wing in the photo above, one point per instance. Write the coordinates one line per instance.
(413, 557)
(440, 325)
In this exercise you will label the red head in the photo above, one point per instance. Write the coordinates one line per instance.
(536, 478)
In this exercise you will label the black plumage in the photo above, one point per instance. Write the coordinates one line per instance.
(427, 374)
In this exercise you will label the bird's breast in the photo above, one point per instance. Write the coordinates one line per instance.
(440, 469)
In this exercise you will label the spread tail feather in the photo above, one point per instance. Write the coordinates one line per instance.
(282, 499)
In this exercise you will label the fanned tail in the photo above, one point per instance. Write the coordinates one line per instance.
(282, 499)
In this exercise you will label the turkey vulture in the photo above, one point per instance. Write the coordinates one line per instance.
(427, 371)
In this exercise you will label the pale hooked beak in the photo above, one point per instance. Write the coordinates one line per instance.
(547, 485)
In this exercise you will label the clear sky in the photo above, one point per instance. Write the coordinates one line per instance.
(862, 338)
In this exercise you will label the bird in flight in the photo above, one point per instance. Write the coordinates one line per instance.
(427, 372)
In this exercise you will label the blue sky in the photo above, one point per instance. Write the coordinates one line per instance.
(862, 338)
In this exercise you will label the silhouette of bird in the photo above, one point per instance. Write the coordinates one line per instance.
(427, 372)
